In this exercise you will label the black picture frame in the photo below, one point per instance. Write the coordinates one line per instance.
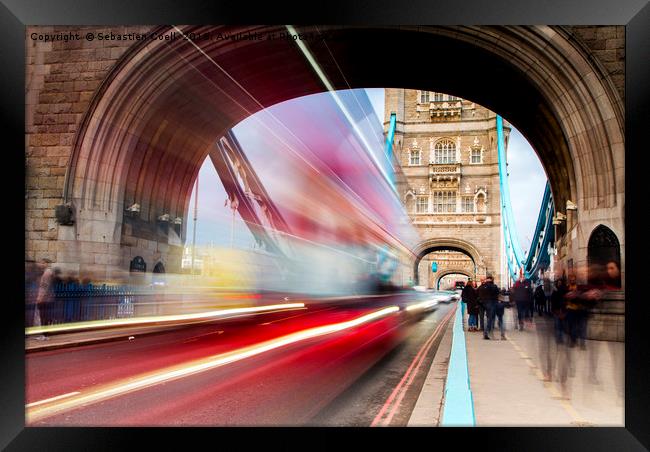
(634, 14)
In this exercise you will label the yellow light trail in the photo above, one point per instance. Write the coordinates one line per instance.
(47, 408)
(66, 327)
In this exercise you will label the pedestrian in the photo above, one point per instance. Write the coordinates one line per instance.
(488, 294)
(470, 296)
(548, 291)
(481, 308)
(45, 296)
(522, 294)
(540, 299)
(558, 309)
(613, 277)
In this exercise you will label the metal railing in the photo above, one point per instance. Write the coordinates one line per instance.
(74, 302)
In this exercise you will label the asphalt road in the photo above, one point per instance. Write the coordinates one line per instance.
(366, 370)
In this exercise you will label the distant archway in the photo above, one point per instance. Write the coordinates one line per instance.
(451, 272)
(445, 244)
(159, 268)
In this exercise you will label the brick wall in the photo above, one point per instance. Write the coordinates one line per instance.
(61, 78)
(607, 44)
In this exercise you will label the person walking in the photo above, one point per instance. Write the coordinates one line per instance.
(558, 309)
(488, 294)
(522, 295)
(470, 296)
(45, 296)
(540, 300)
(481, 308)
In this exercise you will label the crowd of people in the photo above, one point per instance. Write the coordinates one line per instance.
(568, 303)
(563, 311)
(484, 306)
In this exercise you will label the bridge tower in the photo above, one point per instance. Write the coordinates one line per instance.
(447, 149)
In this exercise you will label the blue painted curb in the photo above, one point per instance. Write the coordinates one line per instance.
(458, 408)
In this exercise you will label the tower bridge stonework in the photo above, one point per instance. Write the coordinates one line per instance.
(114, 125)
(447, 149)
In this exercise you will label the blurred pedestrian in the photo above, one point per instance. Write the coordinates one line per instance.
(558, 309)
(580, 301)
(45, 296)
(522, 295)
(548, 291)
(488, 294)
(613, 276)
(32, 278)
(540, 299)
(481, 308)
(470, 296)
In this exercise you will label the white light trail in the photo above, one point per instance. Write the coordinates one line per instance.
(159, 319)
(141, 382)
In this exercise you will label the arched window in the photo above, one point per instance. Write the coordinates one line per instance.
(138, 265)
(481, 206)
(444, 152)
(159, 268)
(604, 257)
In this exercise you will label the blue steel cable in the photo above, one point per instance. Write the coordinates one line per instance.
(514, 253)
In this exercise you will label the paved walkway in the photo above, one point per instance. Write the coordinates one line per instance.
(508, 384)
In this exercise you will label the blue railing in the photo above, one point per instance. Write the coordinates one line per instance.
(74, 302)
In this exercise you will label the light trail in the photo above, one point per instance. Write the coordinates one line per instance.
(62, 328)
(364, 209)
(51, 399)
(50, 406)
(314, 64)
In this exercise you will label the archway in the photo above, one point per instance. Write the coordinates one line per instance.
(446, 244)
(603, 248)
(155, 117)
(449, 273)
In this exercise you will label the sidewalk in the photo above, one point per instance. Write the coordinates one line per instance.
(509, 390)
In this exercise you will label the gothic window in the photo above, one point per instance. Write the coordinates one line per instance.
(604, 251)
(138, 265)
(468, 204)
(476, 156)
(444, 152)
(444, 201)
(414, 157)
(424, 97)
(423, 204)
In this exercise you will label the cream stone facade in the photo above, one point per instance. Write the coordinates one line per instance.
(447, 150)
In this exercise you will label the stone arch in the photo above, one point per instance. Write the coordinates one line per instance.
(152, 121)
(451, 272)
(440, 244)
